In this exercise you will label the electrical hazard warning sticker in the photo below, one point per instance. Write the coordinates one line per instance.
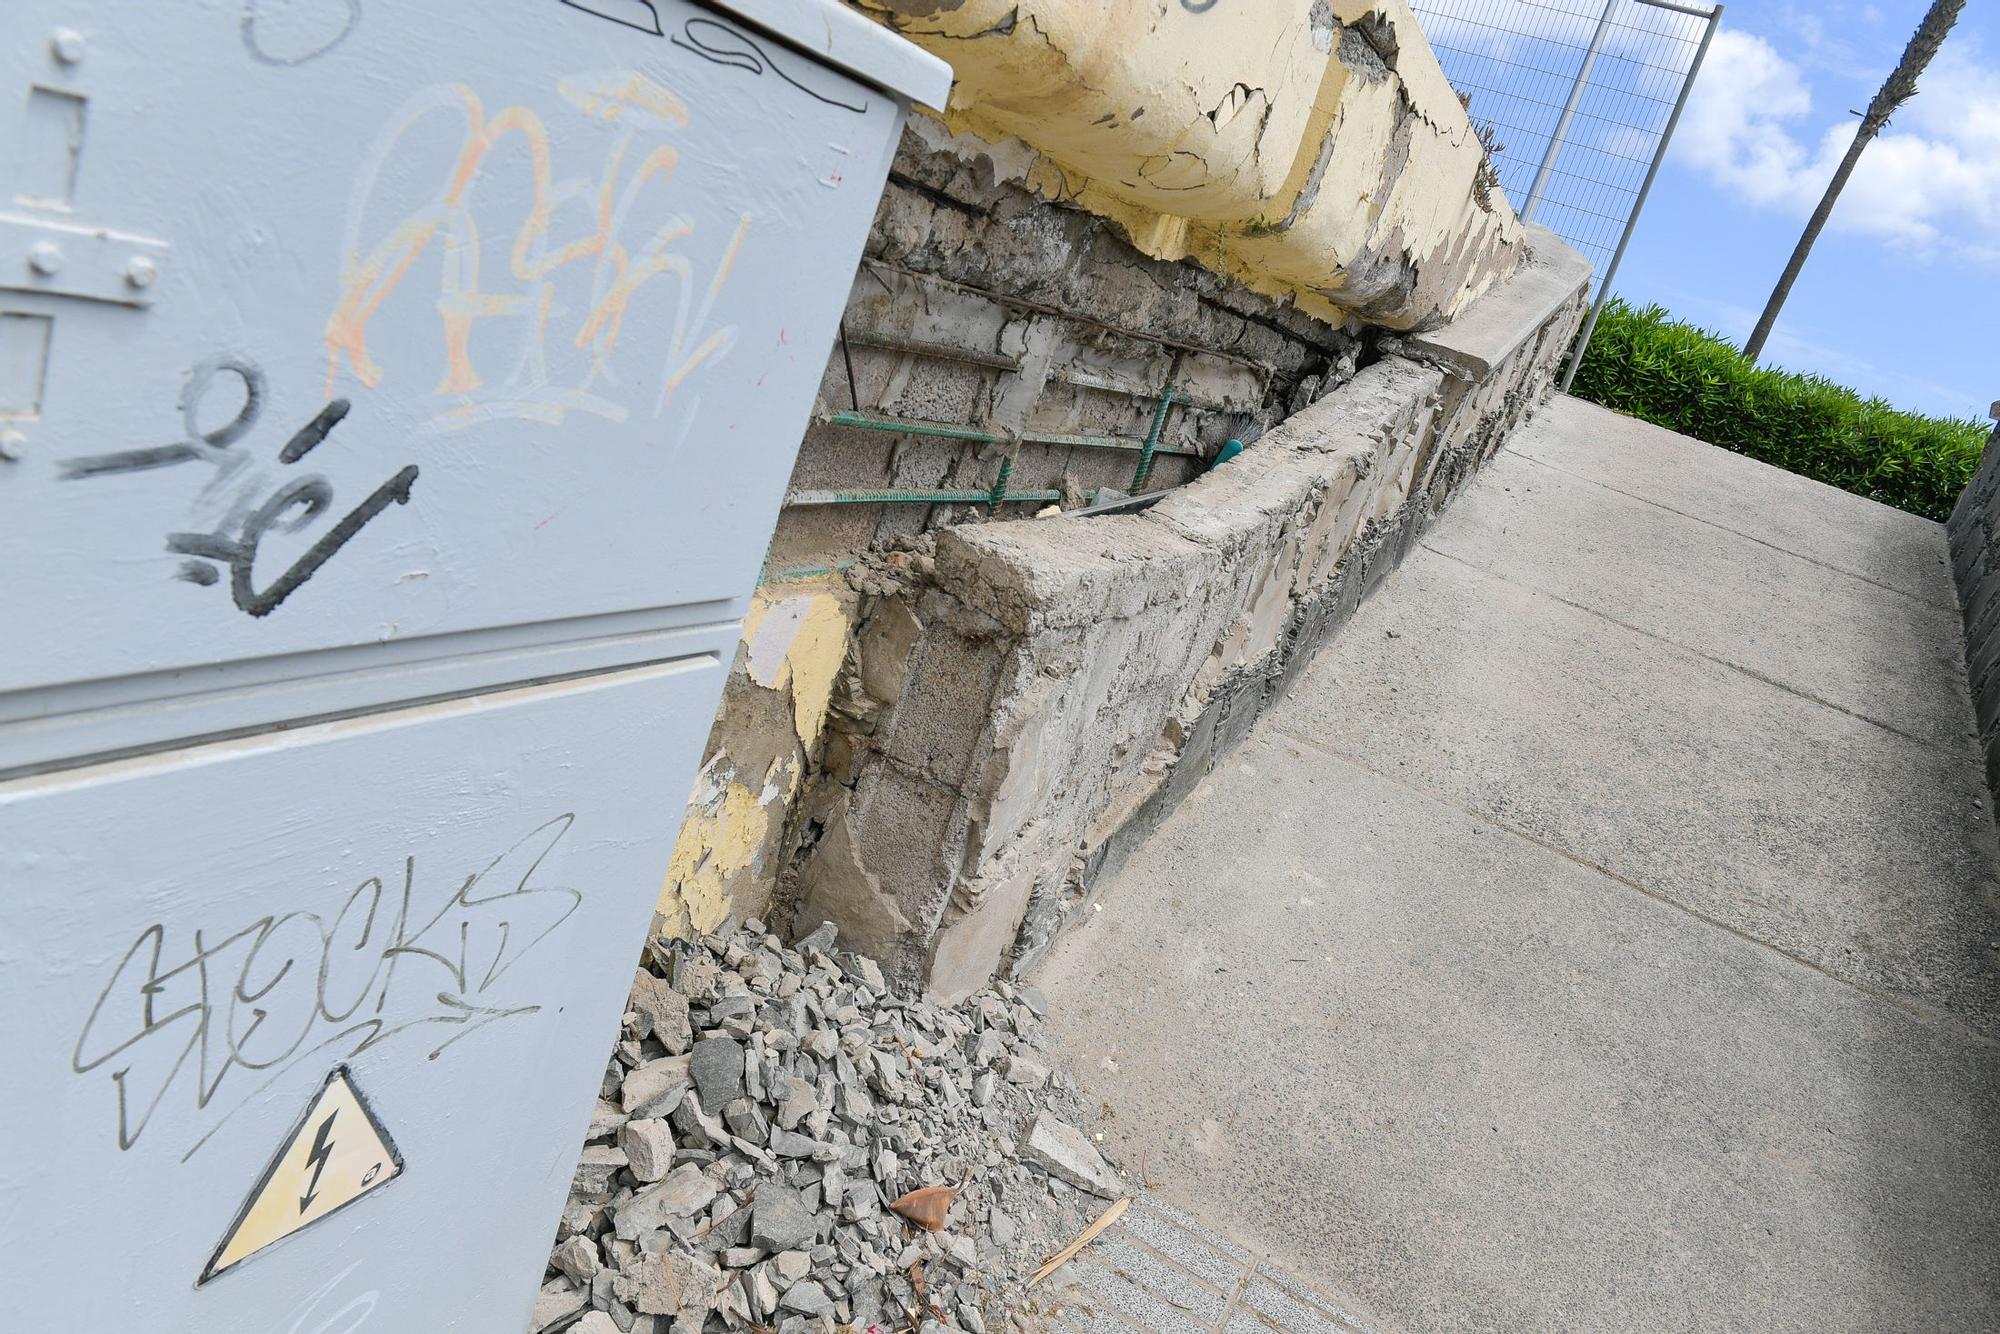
(336, 1154)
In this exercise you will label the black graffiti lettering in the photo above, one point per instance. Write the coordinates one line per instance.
(284, 988)
(255, 46)
(308, 437)
(286, 510)
(638, 14)
(712, 40)
(195, 444)
(310, 496)
(718, 42)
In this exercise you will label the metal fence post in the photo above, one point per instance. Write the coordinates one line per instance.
(1638, 205)
(1568, 114)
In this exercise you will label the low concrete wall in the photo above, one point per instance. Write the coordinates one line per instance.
(1974, 530)
(1025, 701)
(981, 306)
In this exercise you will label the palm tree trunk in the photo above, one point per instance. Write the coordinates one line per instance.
(1814, 225)
(1898, 88)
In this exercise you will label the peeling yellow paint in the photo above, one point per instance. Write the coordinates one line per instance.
(798, 643)
(1241, 138)
(725, 826)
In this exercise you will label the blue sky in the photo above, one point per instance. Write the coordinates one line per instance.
(1901, 297)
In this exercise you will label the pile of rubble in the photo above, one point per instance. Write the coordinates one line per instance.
(783, 1144)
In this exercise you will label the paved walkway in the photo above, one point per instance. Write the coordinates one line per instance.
(1601, 937)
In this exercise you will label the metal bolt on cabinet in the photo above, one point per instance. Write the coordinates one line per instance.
(396, 401)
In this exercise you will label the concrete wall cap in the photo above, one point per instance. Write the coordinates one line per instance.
(1495, 326)
(1053, 573)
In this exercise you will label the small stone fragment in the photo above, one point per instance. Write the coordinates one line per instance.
(662, 1011)
(655, 1088)
(598, 1165)
(605, 1120)
(686, 1189)
(716, 1066)
(807, 1298)
(780, 1219)
(1026, 1071)
(649, 1147)
(791, 1144)
(695, 977)
(558, 1300)
(868, 971)
(1061, 1150)
(577, 1257)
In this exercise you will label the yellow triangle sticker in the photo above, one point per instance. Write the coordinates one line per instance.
(337, 1153)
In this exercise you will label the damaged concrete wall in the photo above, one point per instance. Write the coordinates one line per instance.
(1026, 700)
(1139, 224)
(979, 309)
(982, 309)
(1974, 530)
(1312, 151)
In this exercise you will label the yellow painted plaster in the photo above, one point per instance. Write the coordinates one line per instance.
(1235, 136)
(724, 828)
(795, 643)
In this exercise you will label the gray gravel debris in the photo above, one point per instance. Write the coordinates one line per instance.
(832, 1098)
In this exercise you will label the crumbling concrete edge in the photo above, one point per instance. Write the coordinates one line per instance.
(1492, 330)
(1974, 533)
(1063, 684)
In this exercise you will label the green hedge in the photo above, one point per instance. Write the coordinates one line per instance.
(1645, 364)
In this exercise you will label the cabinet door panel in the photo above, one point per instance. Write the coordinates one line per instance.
(445, 900)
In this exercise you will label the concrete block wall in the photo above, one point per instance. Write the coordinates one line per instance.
(1025, 701)
(980, 305)
(1974, 532)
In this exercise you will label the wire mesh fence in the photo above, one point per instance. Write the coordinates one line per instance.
(1597, 81)
(1581, 98)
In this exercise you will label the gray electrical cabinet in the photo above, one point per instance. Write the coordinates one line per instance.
(395, 402)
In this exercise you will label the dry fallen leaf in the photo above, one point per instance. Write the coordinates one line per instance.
(927, 1206)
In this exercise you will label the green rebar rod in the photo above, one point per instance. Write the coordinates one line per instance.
(917, 497)
(910, 426)
(944, 351)
(1000, 483)
(1102, 442)
(917, 426)
(1152, 441)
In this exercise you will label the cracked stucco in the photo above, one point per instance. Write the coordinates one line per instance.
(1215, 135)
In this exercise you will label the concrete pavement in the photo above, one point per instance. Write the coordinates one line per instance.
(1603, 934)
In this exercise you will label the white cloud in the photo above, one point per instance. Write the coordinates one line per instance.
(1735, 127)
(1931, 180)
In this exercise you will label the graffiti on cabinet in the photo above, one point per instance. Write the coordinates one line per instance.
(528, 278)
(245, 503)
(204, 1009)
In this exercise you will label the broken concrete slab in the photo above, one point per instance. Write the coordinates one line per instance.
(1061, 1150)
(655, 1088)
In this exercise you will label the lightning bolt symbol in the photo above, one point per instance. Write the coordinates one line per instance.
(322, 1150)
